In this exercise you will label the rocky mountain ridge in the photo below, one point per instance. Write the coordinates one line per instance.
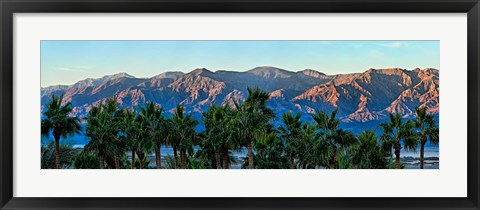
(360, 97)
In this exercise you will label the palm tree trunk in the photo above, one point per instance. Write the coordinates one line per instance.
(183, 157)
(117, 161)
(422, 152)
(141, 155)
(57, 153)
(333, 159)
(292, 162)
(217, 159)
(157, 155)
(175, 160)
(101, 161)
(250, 155)
(133, 159)
(225, 159)
(140, 161)
(397, 155)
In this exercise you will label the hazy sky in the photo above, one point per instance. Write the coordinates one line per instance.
(66, 62)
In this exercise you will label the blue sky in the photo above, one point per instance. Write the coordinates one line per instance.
(66, 62)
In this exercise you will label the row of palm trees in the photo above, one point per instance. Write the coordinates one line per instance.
(115, 132)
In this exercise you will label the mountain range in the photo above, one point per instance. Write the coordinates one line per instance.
(362, 99)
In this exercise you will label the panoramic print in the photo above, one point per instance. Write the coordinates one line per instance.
(240, 105)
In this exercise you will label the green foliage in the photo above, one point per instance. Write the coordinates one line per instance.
(131, 134)
(291, 132)
(219, 136)
(184, 128)
(395, 132)
(426, 130)
(184, 131)
(103, 128)
(312, 152)
(270, 152)
(368, 153)
(154, 124)
(332, 136)
(425, 125)
(145, 162)
(57, 120)
(252, 120)
(169, 162)
(86, 160)
(194, 163)
(66, 153)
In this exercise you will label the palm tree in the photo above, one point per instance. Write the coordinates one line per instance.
(114, 115)
(252, 119)
(215, 131)
(206, 153)
(103, 127)
(219, 134)
(96, 124)
(230, 141)
(396, 132)
(335, 138)
(270, 152)
(290, 133)
(144, 143)
(309, 150)
(425, 124)
(130, 132)
(368, 153)
(244, 131)
(58, 123)
(154, 123)
(184, 128)
(171, 139)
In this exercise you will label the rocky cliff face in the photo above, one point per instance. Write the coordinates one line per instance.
(359, 97)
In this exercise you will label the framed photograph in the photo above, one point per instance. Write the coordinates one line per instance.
(239, 105)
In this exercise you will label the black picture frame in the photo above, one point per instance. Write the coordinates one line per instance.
(10, 7)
